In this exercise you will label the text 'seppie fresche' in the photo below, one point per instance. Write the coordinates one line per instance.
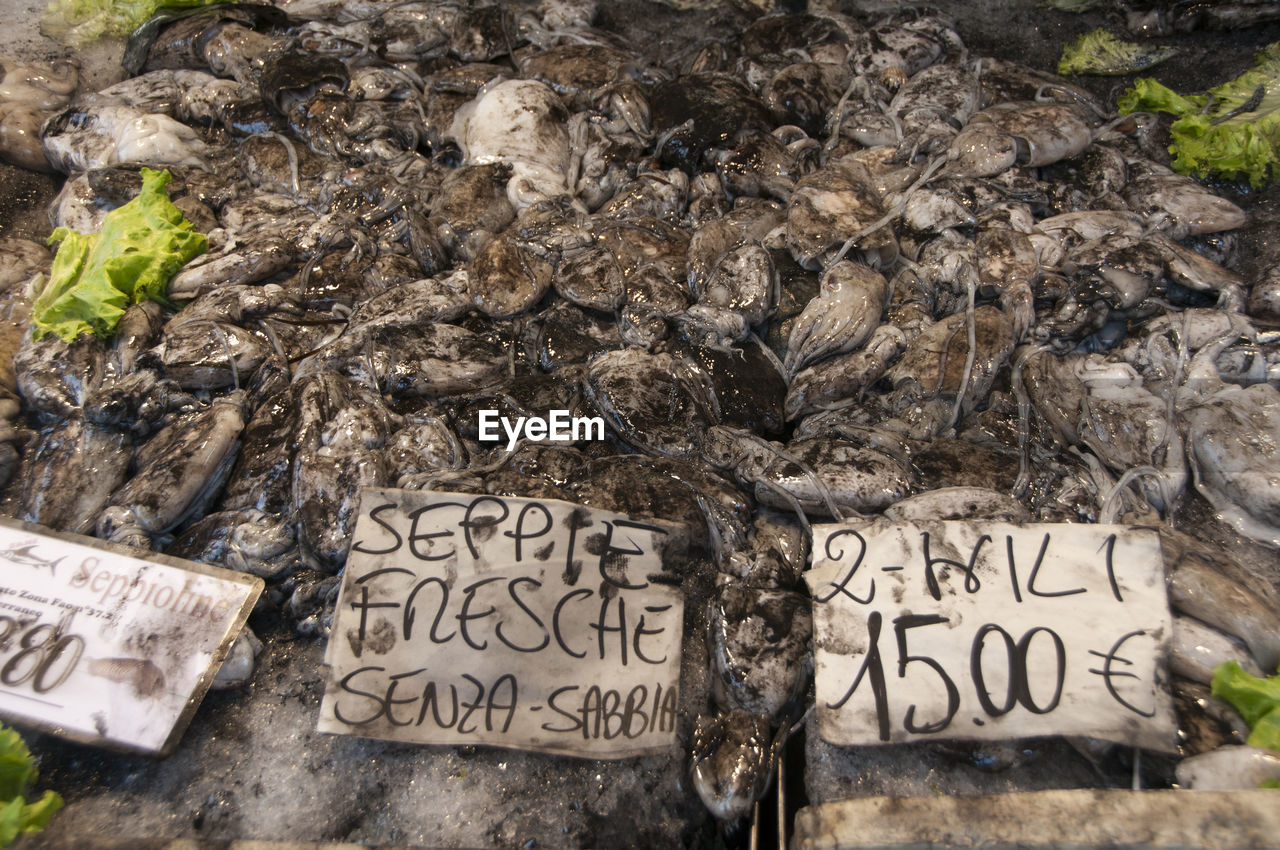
(524, 623)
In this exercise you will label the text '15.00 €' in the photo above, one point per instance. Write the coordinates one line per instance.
(985, 630)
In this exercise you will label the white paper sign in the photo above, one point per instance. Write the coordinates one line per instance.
(107, 648)
(982, 630)
(532, 624)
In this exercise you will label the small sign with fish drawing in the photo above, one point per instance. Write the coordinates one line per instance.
(106, 648)
(988, 630)
(525, 623)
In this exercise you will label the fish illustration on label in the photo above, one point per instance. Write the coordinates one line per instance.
(24, 555)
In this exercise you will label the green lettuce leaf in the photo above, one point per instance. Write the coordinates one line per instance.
(1150, 96)
(77, 23)
(95, 277)
(1267, 731)
(1231, 132)
(17, 770)
(1100, 52)
(1257, 700)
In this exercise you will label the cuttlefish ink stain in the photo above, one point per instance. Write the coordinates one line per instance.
(595, 544)
(575, 522)
(613, 566)
(484, 527)
(379, 640)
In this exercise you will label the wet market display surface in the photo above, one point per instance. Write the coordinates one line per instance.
(763, 272)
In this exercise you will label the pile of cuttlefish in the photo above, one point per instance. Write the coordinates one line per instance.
(830, 268)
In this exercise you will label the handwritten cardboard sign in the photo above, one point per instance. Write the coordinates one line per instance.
(106, 648)
(983, 630)
(532, 624)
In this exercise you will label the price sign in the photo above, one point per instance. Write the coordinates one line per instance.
(989, 630)
(533, 624)
(103, 647)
